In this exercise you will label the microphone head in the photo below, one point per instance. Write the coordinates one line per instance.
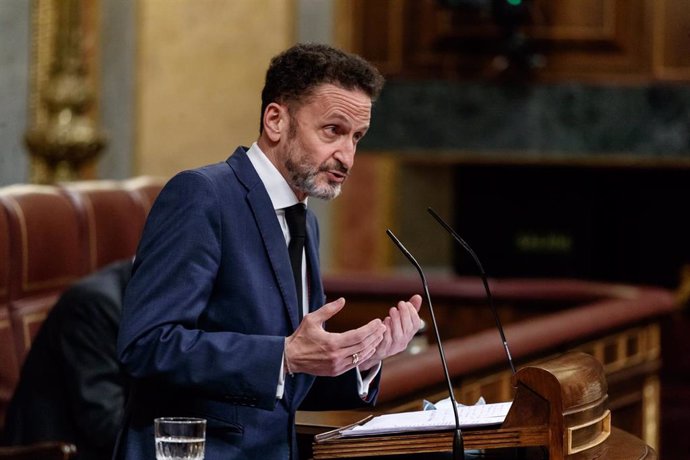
(403, 249)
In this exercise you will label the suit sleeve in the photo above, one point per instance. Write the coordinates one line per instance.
(162, 334)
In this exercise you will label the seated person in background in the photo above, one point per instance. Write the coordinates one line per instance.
(71, 387)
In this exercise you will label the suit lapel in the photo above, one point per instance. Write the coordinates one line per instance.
(270, 231)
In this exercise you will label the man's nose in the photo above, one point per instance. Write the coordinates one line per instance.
(346, 152)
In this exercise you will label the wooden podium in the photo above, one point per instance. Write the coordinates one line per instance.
(560, 406)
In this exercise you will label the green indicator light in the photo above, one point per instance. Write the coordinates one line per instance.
(515, 2)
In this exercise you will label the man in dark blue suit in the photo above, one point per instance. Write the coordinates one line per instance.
(213, 325)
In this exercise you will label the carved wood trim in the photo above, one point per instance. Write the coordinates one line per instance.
(670, 16)
(625, 41)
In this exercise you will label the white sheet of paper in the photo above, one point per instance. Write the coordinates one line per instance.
(429, 420)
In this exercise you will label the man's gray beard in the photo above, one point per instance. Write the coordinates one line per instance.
(326, 192)
(305, 181)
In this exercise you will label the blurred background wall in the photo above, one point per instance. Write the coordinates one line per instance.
(199, 73)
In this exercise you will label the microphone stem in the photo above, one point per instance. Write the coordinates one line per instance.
(485, 282)
(441, 352)
(458, 445)
(458, 442)
(497, 319)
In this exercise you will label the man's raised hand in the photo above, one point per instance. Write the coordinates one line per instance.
(312, 350)
(402, 324)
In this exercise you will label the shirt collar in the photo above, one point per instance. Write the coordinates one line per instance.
(277, 187)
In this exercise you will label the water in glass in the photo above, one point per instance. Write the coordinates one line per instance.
(180, 438)
(174, 448)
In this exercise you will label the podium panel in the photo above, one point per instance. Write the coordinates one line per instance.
(560, 411)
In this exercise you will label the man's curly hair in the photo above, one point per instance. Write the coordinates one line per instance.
(294, 74)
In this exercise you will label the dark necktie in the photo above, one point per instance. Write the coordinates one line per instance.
(296, 217)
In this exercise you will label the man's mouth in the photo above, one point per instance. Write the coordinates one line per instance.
(336, 176)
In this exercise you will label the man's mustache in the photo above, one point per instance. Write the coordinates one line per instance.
(335, 165)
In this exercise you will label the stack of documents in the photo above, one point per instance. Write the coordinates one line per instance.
(431, 420)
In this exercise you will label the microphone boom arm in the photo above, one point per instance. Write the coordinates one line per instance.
(482, 274)
(458, 442)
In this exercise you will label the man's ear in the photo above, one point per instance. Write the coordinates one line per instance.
(275, 121)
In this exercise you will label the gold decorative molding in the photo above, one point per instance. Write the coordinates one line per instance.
(43, 29)
(64, 137)
(651, 411)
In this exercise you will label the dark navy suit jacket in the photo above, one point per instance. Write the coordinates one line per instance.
(206, 312)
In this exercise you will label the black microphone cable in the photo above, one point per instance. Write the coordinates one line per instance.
(458, 442)
(489, 297)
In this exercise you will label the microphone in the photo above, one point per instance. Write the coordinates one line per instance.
(458, 442)
(489, 297)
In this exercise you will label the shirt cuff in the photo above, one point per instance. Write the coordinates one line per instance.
(281, 379)
(363, 383)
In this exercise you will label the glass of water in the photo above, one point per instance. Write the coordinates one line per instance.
(180, 438)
